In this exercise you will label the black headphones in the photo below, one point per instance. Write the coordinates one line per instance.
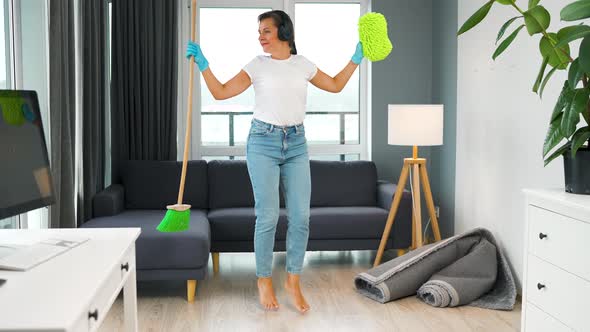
(284, 32)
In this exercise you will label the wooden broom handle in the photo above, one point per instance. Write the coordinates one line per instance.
(189, 112)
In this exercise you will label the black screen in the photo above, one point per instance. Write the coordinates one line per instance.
(25, 177)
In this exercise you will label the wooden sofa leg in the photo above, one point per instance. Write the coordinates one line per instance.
(191, 287)
(401, 252)
(215, 256)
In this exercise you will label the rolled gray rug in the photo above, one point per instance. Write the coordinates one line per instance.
(438, 294)
(463, 281)
(465, 269)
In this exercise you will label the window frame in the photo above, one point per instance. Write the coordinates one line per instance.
(199, 151)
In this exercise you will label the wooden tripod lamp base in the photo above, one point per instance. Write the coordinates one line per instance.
(413, 125)
(419, 174)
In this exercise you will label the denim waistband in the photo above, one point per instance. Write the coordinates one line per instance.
(270, 125)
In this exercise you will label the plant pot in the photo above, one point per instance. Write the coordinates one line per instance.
(577, 171)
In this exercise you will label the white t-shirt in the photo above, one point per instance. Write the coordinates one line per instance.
(280, 87)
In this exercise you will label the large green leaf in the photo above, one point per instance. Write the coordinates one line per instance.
(572, 33)
(557, 57)
(576, 11)
(565, 97)
(505, 2)
(540, 75)
(558, 152)
(575, 74)
(533, 3)
(545, 80)
(536, 19)
(586, 115)
(553, 136)
(477, 17)
(571, 113)
(504, 44)
(504, 27)
(584, 55)
(580, 137)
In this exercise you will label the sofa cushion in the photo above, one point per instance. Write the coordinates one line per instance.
(154, 184)
(350, 222)
(230, 186)
(343, 183)
(237, 224)
(354, 222)
(157, 250)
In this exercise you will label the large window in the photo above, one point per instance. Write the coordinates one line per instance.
(24, 65)
(336, 124)
(229, 39)
(5, 76)
(31, 39)
(332, 118)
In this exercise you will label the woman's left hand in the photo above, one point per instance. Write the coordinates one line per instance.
(358, 54)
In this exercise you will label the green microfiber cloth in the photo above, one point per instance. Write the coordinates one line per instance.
(12, 110)
(373, 36)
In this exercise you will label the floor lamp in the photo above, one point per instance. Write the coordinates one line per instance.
(413, 125)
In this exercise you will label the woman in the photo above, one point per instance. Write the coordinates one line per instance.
(276, 149)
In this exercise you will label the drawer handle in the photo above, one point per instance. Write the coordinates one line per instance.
(540, 286)
(125, 267)
(93, 314)
(542, 236)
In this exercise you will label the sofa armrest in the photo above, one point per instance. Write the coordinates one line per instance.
(385, 192)
(109, 202)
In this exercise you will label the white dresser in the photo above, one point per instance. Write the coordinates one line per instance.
(556, 283)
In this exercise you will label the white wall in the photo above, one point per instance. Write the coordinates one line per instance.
(501, 125)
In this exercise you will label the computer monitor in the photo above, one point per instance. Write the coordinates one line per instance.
(25, 176)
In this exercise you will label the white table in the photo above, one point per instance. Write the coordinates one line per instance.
(75, 290)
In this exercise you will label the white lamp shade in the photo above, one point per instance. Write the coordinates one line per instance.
(419, 125)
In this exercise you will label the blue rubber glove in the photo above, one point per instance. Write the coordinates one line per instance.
(358, 54)
(194, 50)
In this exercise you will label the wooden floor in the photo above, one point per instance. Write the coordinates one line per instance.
(228, 302)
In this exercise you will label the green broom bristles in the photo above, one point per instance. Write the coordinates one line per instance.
(175, 221)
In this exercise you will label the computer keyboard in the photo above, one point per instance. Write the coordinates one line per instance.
(27, 257)
(6, 250)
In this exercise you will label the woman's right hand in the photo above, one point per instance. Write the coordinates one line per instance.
(193, 49)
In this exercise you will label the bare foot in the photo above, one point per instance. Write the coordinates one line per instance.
(293, 288)
(267, 294)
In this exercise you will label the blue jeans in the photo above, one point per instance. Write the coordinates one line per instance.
(274, 154)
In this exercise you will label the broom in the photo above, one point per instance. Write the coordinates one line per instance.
(177, 217)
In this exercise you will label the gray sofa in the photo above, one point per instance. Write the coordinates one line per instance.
(349, 207)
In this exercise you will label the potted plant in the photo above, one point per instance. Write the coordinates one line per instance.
(573, 101)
